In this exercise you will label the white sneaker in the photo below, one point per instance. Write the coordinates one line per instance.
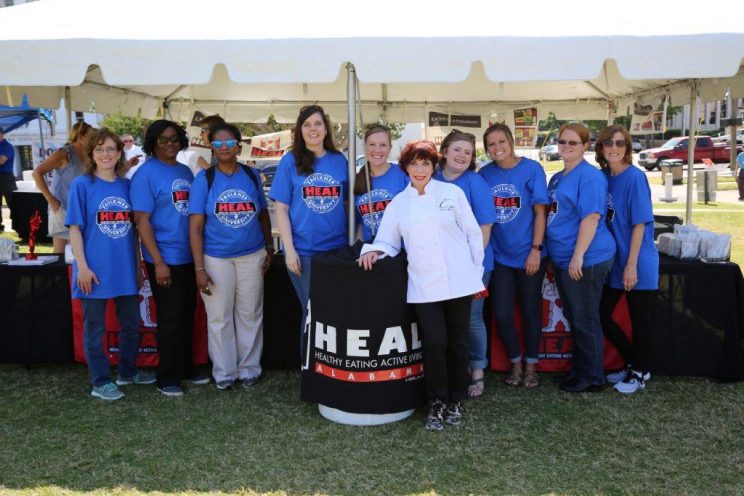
(618, 376)
(636, 381)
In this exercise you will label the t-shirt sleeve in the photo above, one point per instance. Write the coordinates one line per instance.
(539, 187)
(198, 195)
(592, 195)
(281, 187)
(641, 208)
(140, 192)
(76, 202)
(482, 199)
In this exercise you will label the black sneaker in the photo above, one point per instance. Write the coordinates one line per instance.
(454, 413)
(435, 420)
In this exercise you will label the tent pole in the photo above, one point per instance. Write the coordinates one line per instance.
(351, 102)
(68, 109)
(691, 151)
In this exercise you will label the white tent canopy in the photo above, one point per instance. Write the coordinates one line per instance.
(246, 60)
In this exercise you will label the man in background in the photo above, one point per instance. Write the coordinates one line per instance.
(7, 174)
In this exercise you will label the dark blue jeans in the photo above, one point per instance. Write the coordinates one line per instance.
(94, 325)
(505, 283)
(582, 299)
(302, 288)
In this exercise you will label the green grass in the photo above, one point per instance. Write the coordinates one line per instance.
(680, 436)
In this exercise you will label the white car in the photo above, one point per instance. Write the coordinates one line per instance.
(550, 151)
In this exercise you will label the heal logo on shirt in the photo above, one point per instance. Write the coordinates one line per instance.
(180, 190)
(610, 208)
(114, 217)
(506, 201)
(377, 200)
(234, 208)
(321, 192)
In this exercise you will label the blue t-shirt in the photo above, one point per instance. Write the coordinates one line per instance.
(740, 160)
(629, 204)
(515, 192)
(573, 196)
(104, 213)
(316, 202)
(162, 190)
(231, 208)
(384, 188)
(6, 149)
(479, 197)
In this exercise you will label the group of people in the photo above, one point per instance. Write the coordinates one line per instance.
(467, 233)
(498, 228)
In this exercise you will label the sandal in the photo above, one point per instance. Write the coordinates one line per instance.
(531, 380)
(476, 388)
(514, 377)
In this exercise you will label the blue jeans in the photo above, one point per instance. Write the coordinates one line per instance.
(477, 334)
(302, 288)
(94, 325)
(505, 283)
(582, 299)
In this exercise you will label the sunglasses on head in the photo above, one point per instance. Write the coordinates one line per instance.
(468, 136)
(162, 140)
(618, 143)
(570, 142)
(230, 143)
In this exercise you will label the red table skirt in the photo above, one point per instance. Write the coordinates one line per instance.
(556, 341)
(148, 350)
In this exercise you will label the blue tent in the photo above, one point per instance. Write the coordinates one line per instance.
(15, 117)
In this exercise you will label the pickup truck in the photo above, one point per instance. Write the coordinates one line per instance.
(676, 148)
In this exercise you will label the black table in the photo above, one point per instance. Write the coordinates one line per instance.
(36, 314)
(698, 320)
(24, 204)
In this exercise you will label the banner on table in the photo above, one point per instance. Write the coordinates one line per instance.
(363, 350)
(147, 355)
(556, 342)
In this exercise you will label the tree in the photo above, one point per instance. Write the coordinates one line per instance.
(396, 128)
(120, 124)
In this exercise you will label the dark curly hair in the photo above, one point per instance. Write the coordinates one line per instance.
(154, 131)
(418, 150)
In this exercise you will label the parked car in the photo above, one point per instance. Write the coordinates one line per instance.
(637, 146)
(676, 148)
(268, 172)
(550, 150)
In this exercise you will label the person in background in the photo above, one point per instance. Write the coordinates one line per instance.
(457, 166)
(445, 268)
(7, 174)
(740, 175)
(69, 162)
(387, 180)
(520, 198)
(206, 125)
(106, 265)
(160, 200)
(133, 154)
(635, 273)
(230, 234)
(582, 251)
(309, 191)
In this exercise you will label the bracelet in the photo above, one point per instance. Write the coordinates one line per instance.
(198, 269)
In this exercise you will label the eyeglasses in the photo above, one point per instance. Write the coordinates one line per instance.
(163, 140)
(100, 150)
(230, 143)
(128, 141)
(570, 142)
(618, 143)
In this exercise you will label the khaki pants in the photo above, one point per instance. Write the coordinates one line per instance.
(235, 315)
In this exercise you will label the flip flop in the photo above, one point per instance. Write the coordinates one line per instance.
(476, 388)
(531, 380)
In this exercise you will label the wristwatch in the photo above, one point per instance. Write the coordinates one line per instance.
(537, 247)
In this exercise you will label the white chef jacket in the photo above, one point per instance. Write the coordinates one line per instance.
(443, 240)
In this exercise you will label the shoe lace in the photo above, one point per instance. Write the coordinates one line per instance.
(107, 388)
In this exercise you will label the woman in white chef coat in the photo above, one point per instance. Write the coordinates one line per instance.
(445, 266)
